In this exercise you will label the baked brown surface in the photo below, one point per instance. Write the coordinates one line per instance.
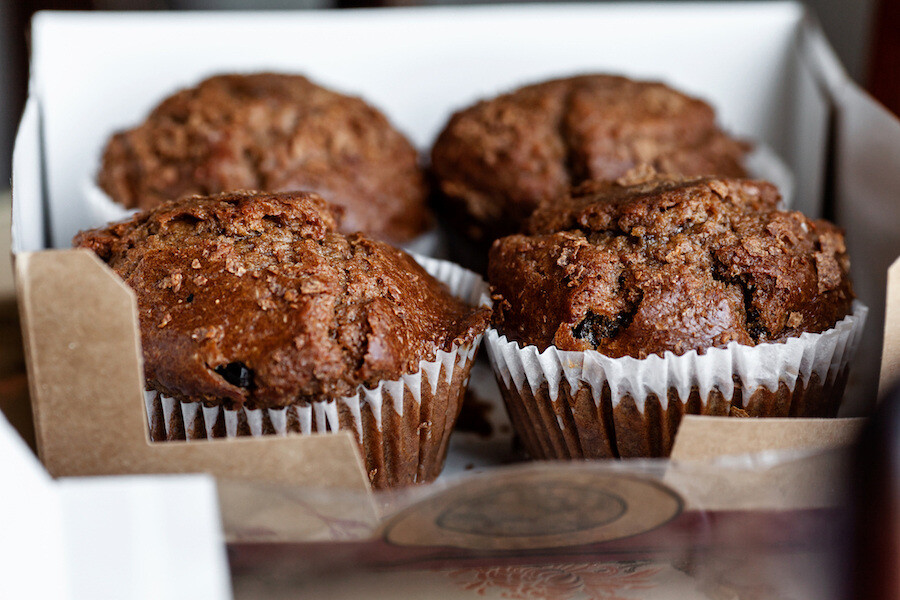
(256, 299)
(668, 265)
(274, 133)
(496, 160)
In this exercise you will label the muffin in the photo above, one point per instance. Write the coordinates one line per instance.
(275, 133)
(495, 161)
(258, 316)
(627, 306)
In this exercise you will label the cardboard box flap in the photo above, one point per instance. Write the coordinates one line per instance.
(761, 464)
(867, 180)
(890, 354)
(141, 538)
(32, 526)
(706, 438)
(28, 222)
(77, 387)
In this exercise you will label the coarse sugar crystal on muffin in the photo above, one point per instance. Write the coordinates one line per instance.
(671, 280)
(496, 160)
(272, 132)
(255, 304)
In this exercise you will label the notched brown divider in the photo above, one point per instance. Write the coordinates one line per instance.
(809, 477)
(709, 437)
(890, 354)
(82, 348)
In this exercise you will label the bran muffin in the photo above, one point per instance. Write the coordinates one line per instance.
(673, 275)
(495, 161)
(255, 303)
(276, 133)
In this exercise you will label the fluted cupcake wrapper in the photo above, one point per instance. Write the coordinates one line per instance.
(566, 404)
(402, 426)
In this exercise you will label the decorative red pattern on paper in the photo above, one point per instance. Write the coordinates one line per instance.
(601, 581)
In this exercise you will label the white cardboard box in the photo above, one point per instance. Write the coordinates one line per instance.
(106, 537)
(765, 66)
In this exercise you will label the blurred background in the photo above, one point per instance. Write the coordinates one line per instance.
(865, 34)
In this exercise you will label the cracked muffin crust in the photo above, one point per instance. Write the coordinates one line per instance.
(250, 299)
(275, 133)
(668, 265)
(495, 161)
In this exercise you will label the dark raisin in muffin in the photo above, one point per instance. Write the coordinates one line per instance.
(256, 301)
(275, 133)
(495, 161)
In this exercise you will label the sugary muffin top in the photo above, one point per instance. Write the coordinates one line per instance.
(275, 133)
(257, 299)
(496, 160)
(668, 265)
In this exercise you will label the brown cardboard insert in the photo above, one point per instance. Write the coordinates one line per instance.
(82, 347)
(761, 464)
(83, 351)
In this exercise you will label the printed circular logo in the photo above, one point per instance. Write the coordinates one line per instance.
(536, 507)
(533, 509)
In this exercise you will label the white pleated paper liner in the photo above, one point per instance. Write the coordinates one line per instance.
(403, 426)
(566, 404)
(101, 210)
